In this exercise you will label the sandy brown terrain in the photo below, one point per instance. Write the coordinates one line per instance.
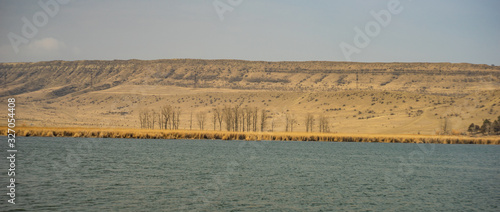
(382, 98)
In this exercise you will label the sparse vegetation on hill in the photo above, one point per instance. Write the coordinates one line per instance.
(237, 96)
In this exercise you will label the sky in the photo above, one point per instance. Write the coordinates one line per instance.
(270, 30)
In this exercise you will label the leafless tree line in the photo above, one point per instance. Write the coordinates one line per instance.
(229, 118)
(324, 124)
(290, 121)
(237, 118)
(167, 118)
(234, 118)
(201, 116)
(147, 119)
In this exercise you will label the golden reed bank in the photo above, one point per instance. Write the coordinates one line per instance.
(224, 135)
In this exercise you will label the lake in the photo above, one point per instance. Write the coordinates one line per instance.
(93, 174)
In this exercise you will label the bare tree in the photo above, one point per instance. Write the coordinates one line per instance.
(243, 118)
(263, 118)
(228, 118)
(293, 121)
(290, 122)
(160, 122)
(147, 119)
(287, 122)
(249, 116)
(220, 116)
(177, 120)
(200, 116)
(153, 119)
(324, 125)
(309, 121)
(235, 117)
(166, 114)
(214, 118)
(254, 119)
(174, 116)
(143, 118)
(140, 119)
(191, 121)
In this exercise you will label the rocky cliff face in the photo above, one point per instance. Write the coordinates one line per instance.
(76, 77)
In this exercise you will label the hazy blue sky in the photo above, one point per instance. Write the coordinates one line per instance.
(279, 30)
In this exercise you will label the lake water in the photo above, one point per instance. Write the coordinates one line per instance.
(85, 174)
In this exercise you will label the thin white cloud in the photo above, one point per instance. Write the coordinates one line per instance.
(47, 44)
(47, 48)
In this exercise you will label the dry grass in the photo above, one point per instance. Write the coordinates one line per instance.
(223, 135)
(392, 98)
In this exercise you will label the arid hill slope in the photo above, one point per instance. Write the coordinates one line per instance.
(389, 98)
(86, 76)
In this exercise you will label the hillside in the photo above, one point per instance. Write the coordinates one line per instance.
(393, 98)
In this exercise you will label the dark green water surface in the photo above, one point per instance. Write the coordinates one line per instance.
(91, 174)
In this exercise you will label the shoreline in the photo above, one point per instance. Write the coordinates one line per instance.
(225, 135)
